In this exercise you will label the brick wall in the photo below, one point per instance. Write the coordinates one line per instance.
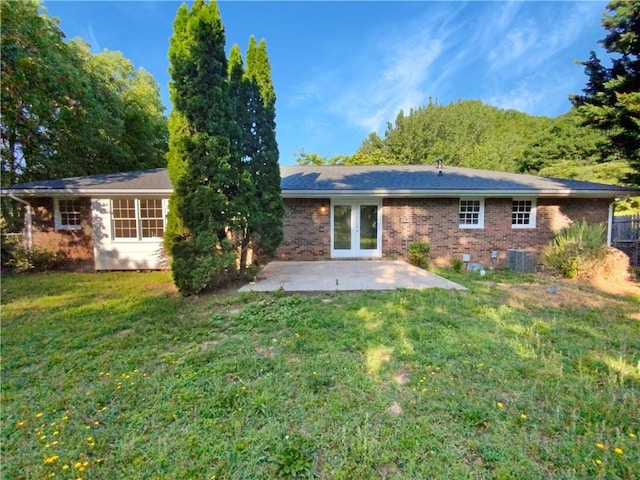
(307, 227)
(436, 221)
(307, 230)
(76, 246)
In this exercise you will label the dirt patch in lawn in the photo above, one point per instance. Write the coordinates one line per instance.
(556, 292)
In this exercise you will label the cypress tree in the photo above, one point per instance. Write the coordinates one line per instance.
(245, 205)
(265, 226)
(200, 157)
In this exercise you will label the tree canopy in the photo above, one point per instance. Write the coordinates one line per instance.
(611, 99)
(66, 111)
(69, 112)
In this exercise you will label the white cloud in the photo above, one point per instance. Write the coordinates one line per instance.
(530, 43)
(93, 39)
(537, 95)
(496, 52)
(402, 70)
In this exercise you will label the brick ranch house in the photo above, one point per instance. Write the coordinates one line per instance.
(116, 221)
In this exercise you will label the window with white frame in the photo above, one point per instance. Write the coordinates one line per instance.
(151, 218)
(138, 218)
(67, 215)
(471, 213)
(523, 214)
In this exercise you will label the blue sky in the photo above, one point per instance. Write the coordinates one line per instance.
(342, 70)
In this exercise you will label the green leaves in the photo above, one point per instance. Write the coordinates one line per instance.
(223, 155)
(611, 100)
(68, 112)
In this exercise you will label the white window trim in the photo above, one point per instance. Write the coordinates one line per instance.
(57, 215)
(532, 215)
(480, 223)
(138, 237)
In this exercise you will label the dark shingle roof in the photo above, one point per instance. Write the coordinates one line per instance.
(420, 180)
(313, 181)
(155, 179)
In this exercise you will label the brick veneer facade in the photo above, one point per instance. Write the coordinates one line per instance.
(307, 230)
(307, 227)
(74, 246)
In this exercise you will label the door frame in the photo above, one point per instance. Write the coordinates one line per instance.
(355, 251)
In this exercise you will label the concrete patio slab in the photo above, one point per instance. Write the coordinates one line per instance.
(342, 275)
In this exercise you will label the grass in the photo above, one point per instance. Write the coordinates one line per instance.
(115, 376)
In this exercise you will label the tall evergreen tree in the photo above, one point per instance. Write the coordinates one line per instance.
(265, 227)
(259, 187)
(200, 158)
(611, 99)
(245, 204)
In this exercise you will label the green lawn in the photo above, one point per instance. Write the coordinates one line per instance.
(114, 376)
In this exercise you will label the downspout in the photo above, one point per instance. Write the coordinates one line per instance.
(610, 224)
(28, 238)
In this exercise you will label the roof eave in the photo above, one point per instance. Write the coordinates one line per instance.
(86, 192)
(456, 193)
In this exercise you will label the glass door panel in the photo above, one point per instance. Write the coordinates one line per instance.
(342, 227)
(368, 227)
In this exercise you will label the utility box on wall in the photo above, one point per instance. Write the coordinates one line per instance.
(522, 261)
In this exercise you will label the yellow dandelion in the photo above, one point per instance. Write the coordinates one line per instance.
(89, 439)
(65, 467)
(84, 464)
(600, 446)
(51, 459)
(65, 418)
(77, 465)
(597, 461)
(56, 432)
(39, 415)
(499, 404)
(618, 451)
(43, 437)
(20, 424)
(523, 416)
(632, 435)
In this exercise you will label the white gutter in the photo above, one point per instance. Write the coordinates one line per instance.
(94, 192)
(449, 193)
(28, 237)
(610, 224)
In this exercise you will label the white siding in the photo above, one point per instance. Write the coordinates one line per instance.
(113, 254)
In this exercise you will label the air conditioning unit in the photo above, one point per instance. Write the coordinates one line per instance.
(522, 261)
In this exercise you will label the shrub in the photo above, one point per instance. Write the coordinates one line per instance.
(196, 269)
(418, 254)
(20, 259)
(579, 251)
(456, 264)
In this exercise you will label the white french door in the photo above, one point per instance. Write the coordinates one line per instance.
(356, 229)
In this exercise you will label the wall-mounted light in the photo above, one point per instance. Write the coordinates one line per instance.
(323, 209)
